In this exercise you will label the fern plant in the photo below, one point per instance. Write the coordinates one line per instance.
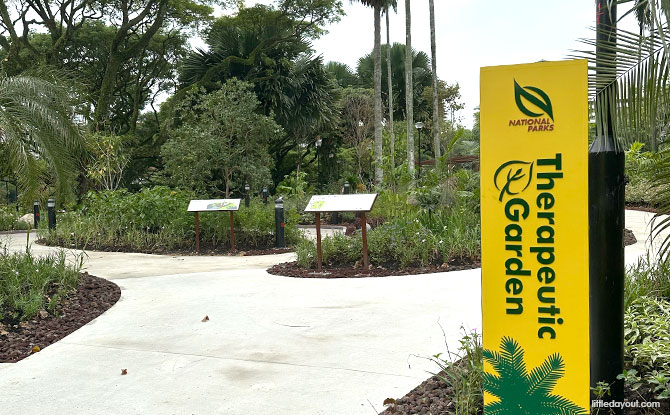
(520, 392)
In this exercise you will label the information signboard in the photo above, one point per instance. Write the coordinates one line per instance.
(214, 205)
(341, 203)
(535, 247)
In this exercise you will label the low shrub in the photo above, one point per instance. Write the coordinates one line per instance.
(9, 220)
(647, 347)
(29, 284)
(647, 278)
(463, 373)
(420, 239)
(156, 220)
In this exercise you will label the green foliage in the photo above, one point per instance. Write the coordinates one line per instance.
(109, 158)
(36, 131)
(416, 239)
(29, 284)
(155, 220)
(222, 142)
(519, 391)
(640, 166)
(647, 346)
(462, 372)
(647, 278)
(422, 77)
(9, 220)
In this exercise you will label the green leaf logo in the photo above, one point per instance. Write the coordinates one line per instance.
(534, 96)
(513, 177)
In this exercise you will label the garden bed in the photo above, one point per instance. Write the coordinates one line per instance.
(205, 250)
(93, 297)
(292, 269)
(433, 396)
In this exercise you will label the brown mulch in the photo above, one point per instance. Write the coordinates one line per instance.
(432, 396)
(292, 269)
(205, 249)
(93, 297)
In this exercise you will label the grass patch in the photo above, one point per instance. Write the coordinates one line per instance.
(29, 284)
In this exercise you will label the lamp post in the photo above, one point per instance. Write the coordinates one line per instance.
(265, 195)
(318, 146)
(419, 126)
(246, 195)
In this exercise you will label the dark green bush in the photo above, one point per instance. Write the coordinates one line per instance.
(156, 220)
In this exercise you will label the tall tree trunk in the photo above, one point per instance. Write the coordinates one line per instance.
(436, 99)
(379, 171)
(390, 85)
(409, 88)
(106, 91)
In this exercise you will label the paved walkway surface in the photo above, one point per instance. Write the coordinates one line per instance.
(273, 345)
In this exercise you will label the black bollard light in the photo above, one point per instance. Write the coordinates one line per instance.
(347, 188)
(265, 195)
(279, 223)
(246, 195)
(606, 224)
(36, 213)
(51, 214)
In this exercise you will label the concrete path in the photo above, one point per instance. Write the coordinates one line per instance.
(273, 345)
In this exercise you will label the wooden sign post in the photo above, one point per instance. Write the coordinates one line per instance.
(360, 203)
(215, 205)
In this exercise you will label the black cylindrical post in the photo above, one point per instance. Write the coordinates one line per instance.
(246, 195)
(265, 195)
(347, 188)
(36, 213)
(606, 223)
(51, 214)
(279, 223)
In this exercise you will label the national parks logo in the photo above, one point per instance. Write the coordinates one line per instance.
(534, 103)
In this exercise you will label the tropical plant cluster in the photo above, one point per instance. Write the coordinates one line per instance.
(408, 235)
(29, 284)
(156, 220)
(647, 329)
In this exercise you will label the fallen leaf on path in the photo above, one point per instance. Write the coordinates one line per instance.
(124, 371)
(205, 319)
(36, 349)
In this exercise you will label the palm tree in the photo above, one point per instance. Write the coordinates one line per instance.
(37, 131)
(409, 112)
(520, 392)
(389, 77)
(421, 77)
(436, 103)
(636, 83)
(378, 5)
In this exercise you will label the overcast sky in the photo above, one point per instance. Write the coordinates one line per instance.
(470, 34)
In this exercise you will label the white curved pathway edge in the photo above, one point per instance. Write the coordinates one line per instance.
(273, 345)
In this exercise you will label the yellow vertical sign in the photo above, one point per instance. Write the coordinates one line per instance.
(535, 264)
